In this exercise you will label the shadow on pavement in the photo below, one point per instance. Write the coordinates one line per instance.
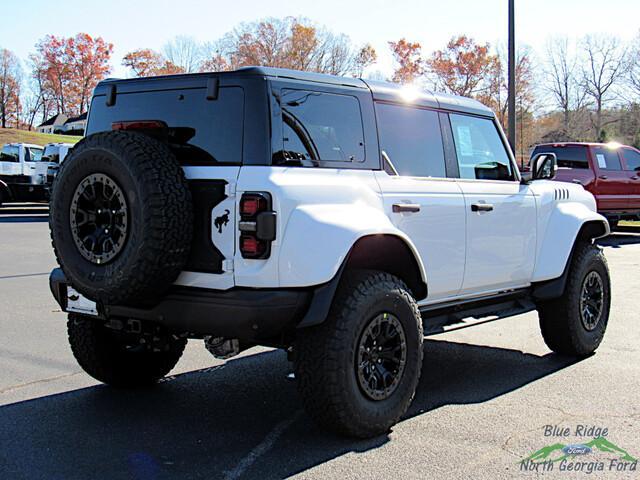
(226, 420)
(24, 212)
(620, 237)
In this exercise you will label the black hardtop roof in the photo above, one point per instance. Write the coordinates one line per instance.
(384, 91)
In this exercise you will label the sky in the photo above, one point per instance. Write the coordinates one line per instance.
(133, 24)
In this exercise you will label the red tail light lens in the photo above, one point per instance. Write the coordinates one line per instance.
(251, 247)
(251, 204)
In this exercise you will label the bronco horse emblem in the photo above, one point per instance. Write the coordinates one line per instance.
(222, 220)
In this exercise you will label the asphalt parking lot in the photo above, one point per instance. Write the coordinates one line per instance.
(483, 402)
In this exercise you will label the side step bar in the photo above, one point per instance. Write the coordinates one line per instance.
(442, 318)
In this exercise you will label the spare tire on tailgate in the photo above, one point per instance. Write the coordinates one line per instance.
(121, 217)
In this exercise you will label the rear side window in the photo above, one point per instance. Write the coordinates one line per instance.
(607, 159)
(201, 131)
(568, 157)
(632, 159)
(51, 154)
(479, 148)
(318, 126)
(411, 139)
(10, 154)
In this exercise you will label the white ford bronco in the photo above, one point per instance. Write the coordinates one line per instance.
(339, 219)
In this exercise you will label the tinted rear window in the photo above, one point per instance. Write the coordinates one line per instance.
(210, 131)
(568, 157)
(318, 126)
(412, 140)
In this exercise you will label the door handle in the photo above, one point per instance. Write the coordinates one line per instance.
(481, 207)
(405, 207)
(634, 177)
(603, 177)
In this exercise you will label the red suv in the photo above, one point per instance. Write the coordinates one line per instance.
(611, 172)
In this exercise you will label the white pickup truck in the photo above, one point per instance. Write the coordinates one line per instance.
(19, 177)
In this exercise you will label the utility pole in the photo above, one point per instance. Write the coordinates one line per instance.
(512, 78)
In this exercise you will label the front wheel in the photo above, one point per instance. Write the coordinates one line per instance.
(107, 356)
(358, 371)
(574, 324)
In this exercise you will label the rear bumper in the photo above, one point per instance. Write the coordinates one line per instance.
(247, 314)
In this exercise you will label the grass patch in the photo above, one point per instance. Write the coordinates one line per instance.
(13, 135)
(629, 223)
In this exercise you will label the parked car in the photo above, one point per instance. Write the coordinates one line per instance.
(611, 172)
(331, 217)
(19, 179)
(54, 154)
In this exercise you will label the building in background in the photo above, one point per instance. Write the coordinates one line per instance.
(52, 123)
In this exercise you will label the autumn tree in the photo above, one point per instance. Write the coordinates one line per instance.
(287, 43)
(464, 67)
(71, 68)
(602, 71)
(408, 56)
(147, 63)
(89, 63)
(366, 56)
(10, 78)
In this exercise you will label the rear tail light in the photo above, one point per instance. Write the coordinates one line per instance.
(257, 225)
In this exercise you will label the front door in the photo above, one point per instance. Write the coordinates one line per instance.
(612, 182)
(500, 212)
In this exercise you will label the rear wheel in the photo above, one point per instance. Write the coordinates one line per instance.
(108, 356)
(358, 371)
(575, 323)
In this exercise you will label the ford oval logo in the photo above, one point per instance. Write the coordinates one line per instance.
(577, 449)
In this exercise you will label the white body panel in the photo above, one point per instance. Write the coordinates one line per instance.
(437, 230)
(499, 242)
(559, 220)
(322, 212)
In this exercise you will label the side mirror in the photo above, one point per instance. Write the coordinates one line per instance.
(544, 166)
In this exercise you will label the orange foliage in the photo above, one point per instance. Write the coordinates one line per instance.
(72, 67)
(464, 67)
(408, 56)
(148, 63)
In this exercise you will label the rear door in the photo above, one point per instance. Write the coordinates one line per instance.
(418, 197)
(500, 211)
(631, 160)
(612, 184)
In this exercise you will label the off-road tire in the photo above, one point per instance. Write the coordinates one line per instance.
(102, 353)
(160, 217)
(560, 319)
(325, 357)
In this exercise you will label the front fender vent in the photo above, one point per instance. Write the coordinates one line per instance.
(561, 194)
